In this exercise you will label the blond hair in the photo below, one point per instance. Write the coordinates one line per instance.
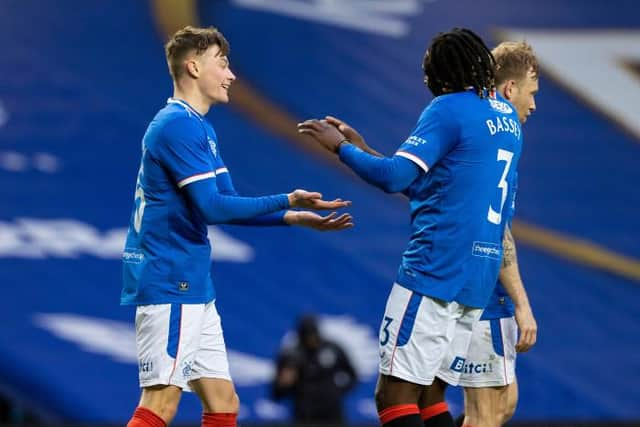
(514, 60)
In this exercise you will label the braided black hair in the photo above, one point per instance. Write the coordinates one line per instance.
(457, 60)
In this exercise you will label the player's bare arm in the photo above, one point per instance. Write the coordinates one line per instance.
(512, 282)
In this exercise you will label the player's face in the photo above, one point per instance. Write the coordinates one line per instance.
(215, 75)
(523, 96)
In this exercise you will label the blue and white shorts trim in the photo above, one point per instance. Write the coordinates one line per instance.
(417, 332)
(178, 343)
(490, 359)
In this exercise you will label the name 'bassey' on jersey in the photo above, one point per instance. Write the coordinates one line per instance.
(470, 147)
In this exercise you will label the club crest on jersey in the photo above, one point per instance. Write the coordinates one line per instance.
(499, 106)
(183, 286)
(213, 146)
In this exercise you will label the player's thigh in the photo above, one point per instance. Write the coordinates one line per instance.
(167, 340)
(483, 405)
(433, 393)
(392, 391)
(416, 333)
(162, 400)
(489, 359)
(511, 402)
(216, 395)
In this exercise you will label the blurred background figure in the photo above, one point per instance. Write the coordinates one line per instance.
(316, 373)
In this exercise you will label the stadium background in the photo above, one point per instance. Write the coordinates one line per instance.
(80, 81)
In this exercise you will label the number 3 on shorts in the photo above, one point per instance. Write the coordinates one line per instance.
(384, 333)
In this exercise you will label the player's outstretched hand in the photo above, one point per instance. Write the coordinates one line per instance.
(327, 135)
(330, 222)
(350, 133)
(527, 327)
(312, 200)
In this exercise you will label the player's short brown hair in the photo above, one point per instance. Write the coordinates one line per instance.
(514, 60)
(192, 39)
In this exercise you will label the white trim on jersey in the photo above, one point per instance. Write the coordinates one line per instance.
(194, 178)
(221, 170)
(415, 159)
(186, 106)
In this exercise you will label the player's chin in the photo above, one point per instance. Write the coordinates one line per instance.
(221, 97)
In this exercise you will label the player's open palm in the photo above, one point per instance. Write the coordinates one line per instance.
(313, 200)
(527, 327)
(331, 222)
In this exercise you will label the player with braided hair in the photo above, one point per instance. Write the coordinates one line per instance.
(458, 60)
(458, 169)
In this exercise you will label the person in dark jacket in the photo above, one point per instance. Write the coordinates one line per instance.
(316, 373)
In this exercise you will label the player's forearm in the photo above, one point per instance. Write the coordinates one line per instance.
(389, 174)
(217, 208)
(268, 220)
(364, 147)
(510, 272)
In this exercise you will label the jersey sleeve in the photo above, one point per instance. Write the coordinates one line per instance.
(512, 200)
(225, 186)
(224, 181)
(433, 137)
(389, 174)
(184, 152)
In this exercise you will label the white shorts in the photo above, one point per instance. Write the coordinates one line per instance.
(417, 332)
(490, 360)
(178, 343)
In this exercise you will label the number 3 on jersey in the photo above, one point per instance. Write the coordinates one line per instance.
(494, 216)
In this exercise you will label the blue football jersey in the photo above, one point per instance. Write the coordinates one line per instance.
(500, 304)
(469, 149)
(167, 254)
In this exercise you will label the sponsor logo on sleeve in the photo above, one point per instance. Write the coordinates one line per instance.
(415, 141)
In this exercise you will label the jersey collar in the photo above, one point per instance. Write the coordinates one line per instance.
(184, 105)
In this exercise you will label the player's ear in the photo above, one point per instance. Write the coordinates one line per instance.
(509, 88)
(192, 68)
